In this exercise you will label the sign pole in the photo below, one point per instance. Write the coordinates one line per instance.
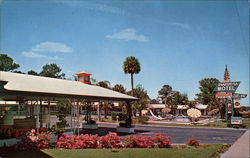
(232, 107)
(226, 109)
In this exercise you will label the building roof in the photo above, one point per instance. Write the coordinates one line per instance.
(30, 85)
(83, 72)
(157, 106)
(182, 107)
(201, 106)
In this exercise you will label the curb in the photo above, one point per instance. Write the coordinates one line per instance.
(177, 126)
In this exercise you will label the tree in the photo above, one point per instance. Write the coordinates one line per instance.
(177, 99)
(105, 105)
(7, 63)
(104, 84)
(52, 70)
(140, 93)
(164, 92)
(119, 88)
(154, 101)
(32, 72)
(207, 86)
(131, 66)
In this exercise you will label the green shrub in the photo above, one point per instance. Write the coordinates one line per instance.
(121, 116)
(142, 119)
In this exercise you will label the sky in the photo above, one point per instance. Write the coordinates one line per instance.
(177, 42)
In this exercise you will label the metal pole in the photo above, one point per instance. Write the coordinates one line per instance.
(226, 114)
(232, 107)
(37, 115)
(49, 113)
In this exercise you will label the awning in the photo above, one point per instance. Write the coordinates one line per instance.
(15, 84)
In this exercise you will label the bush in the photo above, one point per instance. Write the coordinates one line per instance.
(193, 142)
(77, 142)
(15, 133)
(35, 140)
(112, 141)
(92, 122)
(121, 116)
(157, 141)
(142, 119)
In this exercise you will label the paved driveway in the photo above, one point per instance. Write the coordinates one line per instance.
(179, 135)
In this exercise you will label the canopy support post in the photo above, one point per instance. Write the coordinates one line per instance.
(129, 114)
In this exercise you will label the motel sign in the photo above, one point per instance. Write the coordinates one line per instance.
(228, 87)
(238, 95)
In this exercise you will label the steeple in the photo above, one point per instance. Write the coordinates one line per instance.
(226, 75)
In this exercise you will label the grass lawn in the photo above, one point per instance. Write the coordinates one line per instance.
(209, 151)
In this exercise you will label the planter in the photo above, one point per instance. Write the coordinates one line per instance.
(125, 129)
(8, 142)
(28, 122)
(89, 126)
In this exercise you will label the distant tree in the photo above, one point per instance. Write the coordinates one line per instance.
(154, 101)
(207, 86)
(140, 93)
(176, 99)
(104, 84)
(119, 88)
(52, 70)
(17, 71)
(32, 72)
(7, 63)
(131, 66)
(93, 80)
(106, 106)
(164, 93)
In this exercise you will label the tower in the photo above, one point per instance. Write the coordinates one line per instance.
(226, 75)
(83, 77)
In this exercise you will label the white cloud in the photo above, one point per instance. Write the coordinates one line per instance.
(52, 47)
(38, 56)
(33, 55)
(56, 58)
(94, 6)
(128, 34)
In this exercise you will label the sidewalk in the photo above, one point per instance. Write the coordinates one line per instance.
(240, 149)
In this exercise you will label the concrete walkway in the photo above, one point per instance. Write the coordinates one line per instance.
(240, 149)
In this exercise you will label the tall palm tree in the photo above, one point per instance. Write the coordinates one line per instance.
(131, 66)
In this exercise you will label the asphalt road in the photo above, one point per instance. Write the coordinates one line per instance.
(179, 135)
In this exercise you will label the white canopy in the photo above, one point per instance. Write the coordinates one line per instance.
(201, 106)
(16, 84)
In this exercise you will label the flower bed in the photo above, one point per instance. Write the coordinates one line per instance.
(113, 141)
(35, 139)
(15, 132)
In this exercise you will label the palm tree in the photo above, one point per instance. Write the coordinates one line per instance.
(119, 88)
(131, 66)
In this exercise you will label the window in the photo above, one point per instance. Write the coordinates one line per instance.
(86, 78)
(79, 78)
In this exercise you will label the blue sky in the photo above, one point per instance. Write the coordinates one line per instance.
(177, 42)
